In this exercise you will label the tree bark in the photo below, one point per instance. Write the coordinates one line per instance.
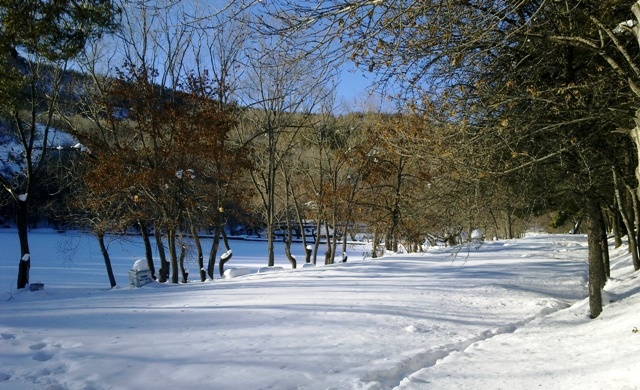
(228, 254)
(334, 237)
(615, 223)
(22, 221)
(374, 245)
(604, 247)
(344, 241)
(183, 271)
(213, 253)
(287, 251)
(328, 256)
(173, 254)
(636, 214)
(303, 234)
(596, 274)
(164, 265)
(287, 245)
(395, 212)
(634, 133)
(144, 229)
(107, 259)
(271, 195)
(316, 243)
(509, 227)
(633, 247)
(196, 240)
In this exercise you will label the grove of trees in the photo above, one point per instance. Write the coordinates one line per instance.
(197, 117)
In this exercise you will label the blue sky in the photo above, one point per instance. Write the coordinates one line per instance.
(354, 92)
(353, 84)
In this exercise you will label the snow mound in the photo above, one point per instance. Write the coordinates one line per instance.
(140, 265)
(270, 269)
(235, 272)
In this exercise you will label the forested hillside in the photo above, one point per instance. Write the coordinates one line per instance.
(196, 117)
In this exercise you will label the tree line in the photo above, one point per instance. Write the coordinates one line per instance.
(192, 118)
(537, 98)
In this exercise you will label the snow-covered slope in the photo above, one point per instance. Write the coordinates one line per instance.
(12, 157)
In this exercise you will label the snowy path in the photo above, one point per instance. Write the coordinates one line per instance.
(561, 350)
(405, 321)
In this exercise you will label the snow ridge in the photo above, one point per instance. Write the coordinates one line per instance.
(402, 372)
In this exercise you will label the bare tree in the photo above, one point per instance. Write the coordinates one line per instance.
(219, 48)
(286, 86)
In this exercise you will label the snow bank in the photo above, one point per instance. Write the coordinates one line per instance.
(235, 272)
(263, 270)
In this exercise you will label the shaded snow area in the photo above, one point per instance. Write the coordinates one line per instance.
(506, 315)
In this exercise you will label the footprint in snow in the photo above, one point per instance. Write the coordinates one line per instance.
(42, 356)
(37, 346)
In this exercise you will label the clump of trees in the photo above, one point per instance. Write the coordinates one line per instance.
(532, 96)
(504, 112)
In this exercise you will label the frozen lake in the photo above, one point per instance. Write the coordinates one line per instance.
(75, 256)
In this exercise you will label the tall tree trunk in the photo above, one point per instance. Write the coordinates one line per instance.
(183, 271)
(596, 274)
(271, 196)
(334, 237)
(636, 213)
(270, 244)
(349, 222)
(287, 245)
(164, 265)
(615, 223)
(604, 247)
(344, 241)
(303, 233)
(107, 259)
(509, 227)
(22, 221)
(144, 229)
(374, 245)
(634, 133)
(173, 254)
(213, 253)
(227, 255)
(328, 256)
(198, 244)
(392, 240)
(316, 243)
(496, 228)
(287, 250)
(288, 239)
(631, 236)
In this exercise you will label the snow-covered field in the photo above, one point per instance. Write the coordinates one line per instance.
(508, 315)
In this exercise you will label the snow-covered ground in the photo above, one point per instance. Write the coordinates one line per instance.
(508, 315)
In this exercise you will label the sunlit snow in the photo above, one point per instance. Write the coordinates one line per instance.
(502, 315)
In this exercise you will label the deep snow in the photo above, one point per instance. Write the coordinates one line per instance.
(506, 315)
